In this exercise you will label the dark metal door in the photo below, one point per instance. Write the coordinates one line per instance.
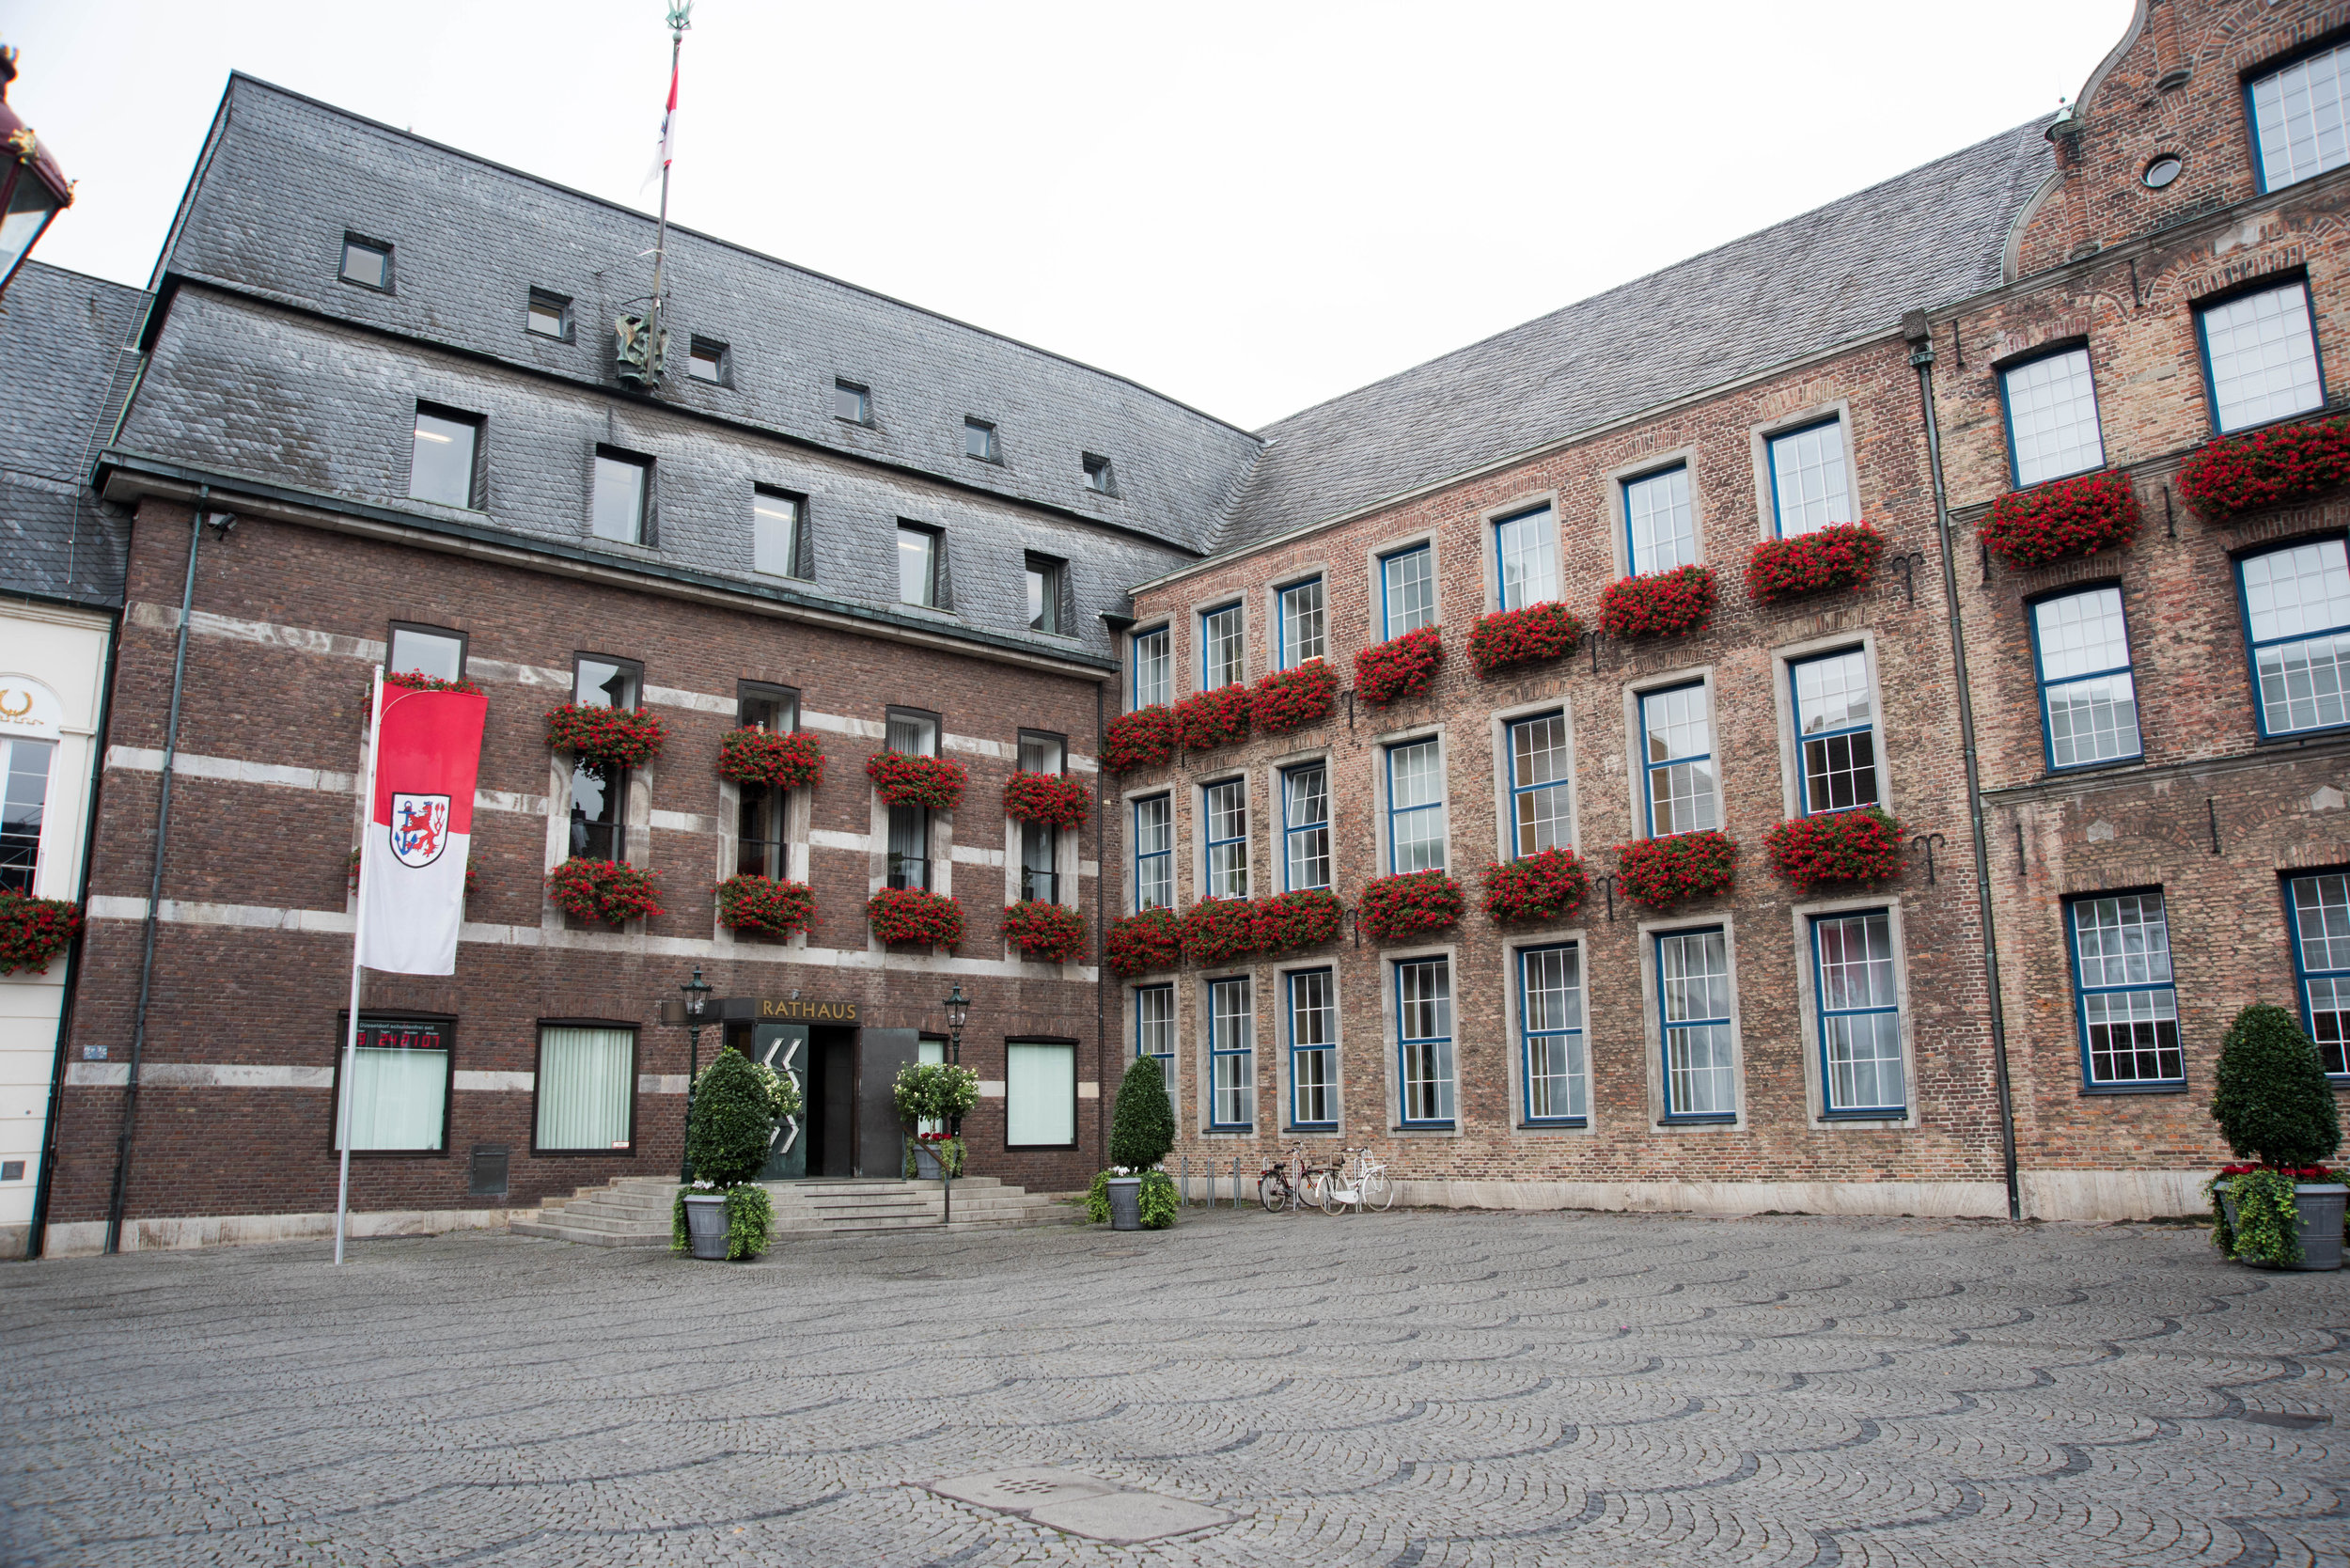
(880, 1136)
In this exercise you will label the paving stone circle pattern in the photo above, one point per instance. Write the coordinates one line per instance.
(1402, 1390)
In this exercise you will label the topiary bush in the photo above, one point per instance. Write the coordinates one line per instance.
(1142, 1126)
(733, 1122)
(2273, 1103)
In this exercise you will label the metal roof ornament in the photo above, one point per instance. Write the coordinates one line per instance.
(641, 343)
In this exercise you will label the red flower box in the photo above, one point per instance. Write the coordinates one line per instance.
(1521, 636)
(1205, 720)
(606, 890)
(785, 761)
(1217, 931)
(1142, 739)
(1048, 932)
(902, 779)
(1543, 887)
(1304, 918)
(2061, 519)
(1662, 872)
(1398, 908)
(1396, 668)
(1661, 605)
(1047, 797)
(762, 903)
(1841, 556)
(912, 915)
(1150, 943)
(1860, 848)
(2272, 467)
(417, 681)
(1291, 698)
(34, 931)
(623, 737)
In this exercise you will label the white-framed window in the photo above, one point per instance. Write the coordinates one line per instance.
(1526, 556)
(1313, 1021)
(1423, 1015)
(1860, 1019)
(914, 735)
(1539, 771)
(1231, 1055)
(1661, 526)
(1154, 853)
(1677, 760)
(2297, 623)
(2298, 117)
(2260, 357)
(1152, 667)
(775, 516)
(599, 814)
(24, 768)
(441, 464)
(706, 360)
(2088, 695)
(1046, 579)
(1224, 824)
(1222, 659)
(1305, 826)
(1407, 591)
(1300, 634)
(1557, 1073)
(1693, 991)
(1415, 815)
(1809, 487)
(762, 812)
(586, 1089)
(1835, 729)
(2052, 427)
(1039, 1095)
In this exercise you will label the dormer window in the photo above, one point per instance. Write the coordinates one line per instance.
(1098, 475)
(2298, 127)
(367, 263)
(549, 315)
(852, 403)
(979, 441)
(706, 360)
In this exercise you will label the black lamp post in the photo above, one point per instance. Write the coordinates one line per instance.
(958, 1014)
(687, 1012)
(33, 189)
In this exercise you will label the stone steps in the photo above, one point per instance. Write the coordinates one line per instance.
(633, 1210)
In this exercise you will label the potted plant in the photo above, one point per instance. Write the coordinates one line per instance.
(1664, 872)
(1047, 933)
(914, 914)
(1669, 603)
(2271, 467)
(1142, 1130)
(722, 1215)
(1548, 885)
(1145, 944)
(1394, 670)
(786, 761)
(616, 737)
(2061, 519)
(1205, 720)
(938, 1091)
(1287, 700)
(34, 931)
(2275, 1106)
(749, 902)
(1142, 739)
(1856, 848)
(608, 892)
(1841, 556)
(1051, 798)
(902, 779)
(1508, 639)
(1411, 905)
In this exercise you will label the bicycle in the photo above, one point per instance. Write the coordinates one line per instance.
(1368, 1187)
(1289, 1182)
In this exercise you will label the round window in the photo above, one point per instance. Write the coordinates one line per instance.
(2162, 171)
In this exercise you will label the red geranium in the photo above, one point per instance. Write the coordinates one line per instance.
(1521, 636)
(1047, 797)
(1398, 908)
(2271, 467)
(1206, 720)
(1303, 919)
(1048, 932)
(1841, 556)
(1290, 698)
(786, 762)
(624, 737)
(762, 903)
(1858, 848)
(34, 931)
(1145, 944)
(606, 890)
(1661, 605)
(1547, 886)
(2061, 519)
(1662, 872)
(1398, 666)
(902, 779)
(417, 681)
(1217, 931)
(912, 915)
(1142, 739)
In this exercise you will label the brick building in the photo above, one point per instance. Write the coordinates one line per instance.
(390, 365)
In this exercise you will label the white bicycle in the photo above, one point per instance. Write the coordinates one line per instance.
(1363, 1183)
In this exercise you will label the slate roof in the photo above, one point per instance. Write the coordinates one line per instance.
(62, 380)
(1840, 273)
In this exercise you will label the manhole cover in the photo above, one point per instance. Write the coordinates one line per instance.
(1081, 1504)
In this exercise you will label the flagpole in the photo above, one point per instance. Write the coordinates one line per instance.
(358, 937)
(678, 23)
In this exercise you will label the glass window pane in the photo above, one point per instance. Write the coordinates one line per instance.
(918, 574)
(1807, 479)
(1408, 587)
(441, 468)
(365, 264)
(600, 683)
(1678, 737)
(1225, 808)
(1151, 668)
(21, 807)
(978, 440)
(1154, 863)
(1664, 529)
(1835, 718)
(2322, 920)
(852, 403)
(1528, 547)
(706, 361)
(2092, 720)
(398, 1088)
(1039, 1095)
(2297, 113)
(2263, 362)
(1302, 624)
(1040, 753)
(1220, 648)
(586, 1088)
(547, 315)
(2129, 1012)
(775, 534)
(913, 734)
(1416, 814)
(1306, 825)
(2052, 417)
(1154, 1029)
(1538, 784)
(1424, 1026)
(1231, 1054)
(618, 510)
(424, 654)
(1313, 1049)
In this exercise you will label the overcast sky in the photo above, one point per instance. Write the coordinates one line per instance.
(1248, 207)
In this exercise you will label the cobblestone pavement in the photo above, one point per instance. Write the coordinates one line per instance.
(1408, 1389)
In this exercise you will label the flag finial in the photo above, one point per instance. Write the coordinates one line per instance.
(680, 15)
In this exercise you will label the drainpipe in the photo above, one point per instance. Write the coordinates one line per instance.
(1100, 943)
(1919, 334)
(155, 887)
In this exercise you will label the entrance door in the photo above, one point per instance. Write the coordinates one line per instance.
(784, 1048)
(832, 1102)
(880, 1136)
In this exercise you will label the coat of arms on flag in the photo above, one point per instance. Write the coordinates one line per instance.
(419, 828)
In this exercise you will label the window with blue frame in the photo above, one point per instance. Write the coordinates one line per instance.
(1836, 727)
(1305, 826)
(1677, 754)
(2319, 909)
(1526, 551)
(2129, 1012)
(1414, 807)
(1407, 591)
(1423, 1002)
(1313, 1049)
(1550, 1034)
(2260, 357)
(1539, 772)
(1154, 1029)
(1861, 1016)
(2052, 427)
(1300, 629)
(1154, 853)
(1152, 668)
(1221, 663)
(1662, 527)
(1231, 1055)
(2298, 118)
(1224, 816)
(1808, 486)
(2296, 621)
(2088, 697)
(1693, 982)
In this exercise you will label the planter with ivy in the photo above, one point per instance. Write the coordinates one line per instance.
(934, 783)
(2265, 469)
(722, 1215)
(1134, 1194)
(915, 916)
(610, 892)
(1142, 739)
(1860, 848)
(2275, 1109)
(1659, 605)
(1841, 556)
(1045, 933)
(1399, 668)
(934, 1091)
(1288, 699)
(34, 931)
(1407, 908)
(791, 760)
(1662, 873)
(1542, 888)
(1150, 943)
(1051, 798)
(605, 737)
(765, 904)
(1205, 720)
(1508, 639)
(2086, 515)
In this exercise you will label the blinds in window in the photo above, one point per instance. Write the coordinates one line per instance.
(584, 1087)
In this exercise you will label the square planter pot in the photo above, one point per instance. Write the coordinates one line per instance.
(2319, 1208)
(926, 1167)
(706, 1226)
(1125, 1202)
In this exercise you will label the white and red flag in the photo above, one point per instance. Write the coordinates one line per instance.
(411, 872)
(668, 132)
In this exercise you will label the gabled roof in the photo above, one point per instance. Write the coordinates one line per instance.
(1840, 273)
